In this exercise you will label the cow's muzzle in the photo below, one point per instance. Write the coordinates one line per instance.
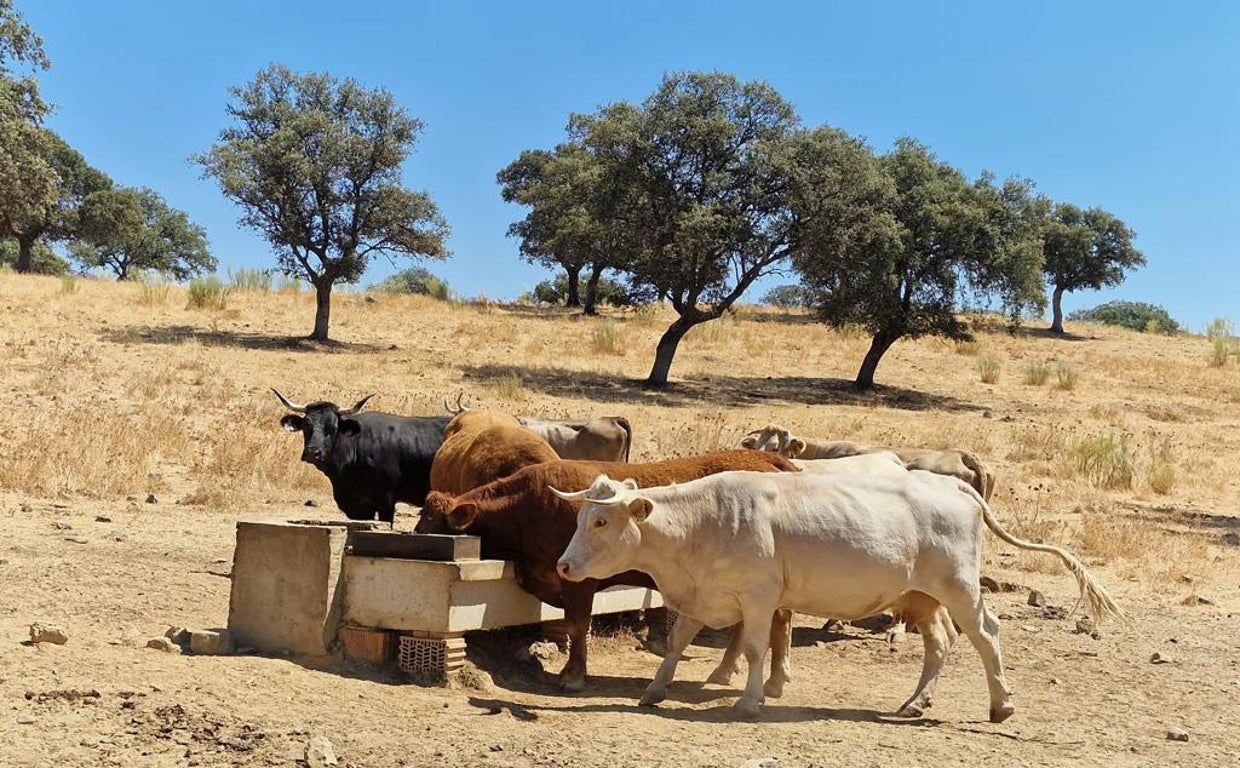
(565, 570)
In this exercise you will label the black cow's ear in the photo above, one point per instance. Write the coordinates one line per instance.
(349, 427)
(292, 422)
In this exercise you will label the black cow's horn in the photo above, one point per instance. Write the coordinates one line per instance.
(289, 404)
(358, 407)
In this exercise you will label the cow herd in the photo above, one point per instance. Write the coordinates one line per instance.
(739, 538)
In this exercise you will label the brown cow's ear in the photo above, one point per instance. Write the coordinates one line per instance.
(292, 422)
(750, 442)
(462, 515)
(640, 510)
(796, 446)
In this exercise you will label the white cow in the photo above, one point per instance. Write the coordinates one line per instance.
(737, 546)
(602, 439)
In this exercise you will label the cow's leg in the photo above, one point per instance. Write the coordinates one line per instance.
(731, 661)
(781, 652)
(684, 630)
(578, 607)
(982, 627)
(755, 640)
(937, 635)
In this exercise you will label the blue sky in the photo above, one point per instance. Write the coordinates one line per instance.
(1131, 106)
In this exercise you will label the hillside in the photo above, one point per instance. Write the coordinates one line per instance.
(116, 394)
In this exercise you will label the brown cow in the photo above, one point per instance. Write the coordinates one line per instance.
(952, 462)
(481, 446)
(519, 519)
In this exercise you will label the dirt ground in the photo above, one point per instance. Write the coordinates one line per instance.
(111, 399)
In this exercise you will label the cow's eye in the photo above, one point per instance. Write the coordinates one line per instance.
(599, 522)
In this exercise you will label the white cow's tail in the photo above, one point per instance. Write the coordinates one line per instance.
(1098, 602)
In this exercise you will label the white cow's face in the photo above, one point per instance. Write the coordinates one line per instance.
(608, 531)
(773, 439)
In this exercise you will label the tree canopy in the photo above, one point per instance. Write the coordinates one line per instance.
(315, 165)
(694, 178)
(917, 247)
(126, 230)
(1085, 249)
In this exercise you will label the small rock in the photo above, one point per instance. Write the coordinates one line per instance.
(77, 539)
(4, 561)
(1054, 612)
(63, 524)
(25, 719)
(151, 499)
(541, 650)
(119, 535)
(497, 747)
(1175, 733)
(311, 503)
(102, 519)
(1006, 617)
(206, 642)
(178, 635)
(988, 414)
(1036, 598)
(989, 584)
(1086, 626)
(820, 643)
(762, 762)
(163, 644)
(1055, 681)
(1231, 539)
(1158, 658)
(319, 753)
(48, 633)
(833, 625)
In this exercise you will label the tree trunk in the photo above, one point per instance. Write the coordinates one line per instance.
(666, 351)
(591, 307)
(25, 254)
(323, 309)
(1057, 308)
(878, 347)
(574, 293)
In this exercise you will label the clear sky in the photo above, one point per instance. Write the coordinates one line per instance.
(1130, 106)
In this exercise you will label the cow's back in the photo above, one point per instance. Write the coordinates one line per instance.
(389, 456)
(485, 450)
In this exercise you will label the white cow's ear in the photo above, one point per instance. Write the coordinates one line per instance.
(640, 510)
(630, 483)
(796, 446)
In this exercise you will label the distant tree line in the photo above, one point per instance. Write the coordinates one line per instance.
(712, 183)
(51, 196)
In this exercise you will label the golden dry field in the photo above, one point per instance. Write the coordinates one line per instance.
(1127, 451)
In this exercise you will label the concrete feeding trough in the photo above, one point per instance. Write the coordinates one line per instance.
(298, 587)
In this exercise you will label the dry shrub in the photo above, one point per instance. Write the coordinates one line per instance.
(647, 314)
(1167, 413)
(606, 339)
(509, 387)
(989, 370)
(1110, 536)
(208, 293)
(1161, 477)
(1035, 443)
(1104, 461)
(1036, 374)
(1066, 377)
(968, 348)
(68, 285)
(1220, 351)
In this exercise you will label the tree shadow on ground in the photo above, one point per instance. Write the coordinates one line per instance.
(1027, 332)
(180, 334)
(716, 389)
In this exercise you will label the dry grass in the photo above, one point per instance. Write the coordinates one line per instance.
(1036, 374)
(121, 391)
(988, 368)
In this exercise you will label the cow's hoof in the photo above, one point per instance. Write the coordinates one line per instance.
(999, 714)
(572, 686)
(721, 676)
(746, 710)
(773, 688)
(912, 710)
(652, 696)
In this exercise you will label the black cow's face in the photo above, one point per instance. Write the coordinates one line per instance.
(320, 427)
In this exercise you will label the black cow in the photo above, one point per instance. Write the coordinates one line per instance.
(373, 460)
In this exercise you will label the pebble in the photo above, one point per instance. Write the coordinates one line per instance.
(63, 524)
(25, 719)
(319, 753)
(102, 519)
(163, 644)
(1158, 658)
(77, 539)
(119, 535)
(762, 762)
(1175, 733)
(151, 499)
(311, 503)
(1036, 598)
(48, 633)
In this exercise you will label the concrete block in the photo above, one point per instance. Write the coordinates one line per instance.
(285, 586)
(206, 642)
(414, 546)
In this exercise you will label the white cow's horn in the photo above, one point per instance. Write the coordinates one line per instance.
(568, 496)
(290, 404)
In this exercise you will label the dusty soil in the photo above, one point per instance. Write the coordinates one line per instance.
(100, 384)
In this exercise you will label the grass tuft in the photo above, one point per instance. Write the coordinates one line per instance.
(1066, 377)
(208, 293)
(989, 369)
(1104, 461)
(1037, 374)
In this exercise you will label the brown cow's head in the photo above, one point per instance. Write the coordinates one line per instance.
(445, 514)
